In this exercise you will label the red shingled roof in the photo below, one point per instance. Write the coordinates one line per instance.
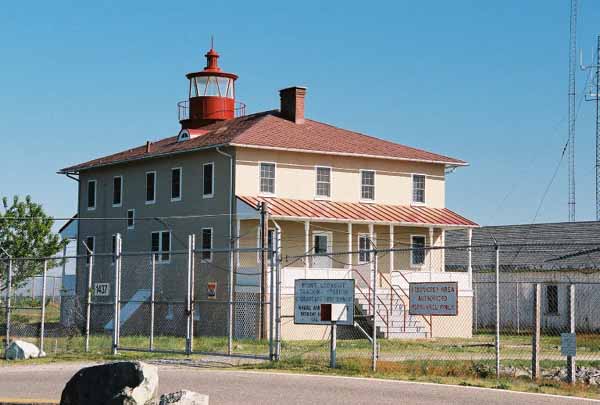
(360, 212)
(270, 131)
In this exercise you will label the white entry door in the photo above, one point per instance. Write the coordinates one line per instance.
(322, 244)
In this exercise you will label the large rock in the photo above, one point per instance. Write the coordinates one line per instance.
(184, 397)
(21, 350)
(124, 382)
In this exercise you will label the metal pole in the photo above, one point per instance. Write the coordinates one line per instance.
(88, 304)
(333, 346)
(571, 359)
(277, 298)
(535, 338)
(264, 223)
(272, 305)
(115, 339)
(8, 297)
(232, 266)
(374, 271)
(152, 299)
(188, 303)
(43, 320)
(192, 295)
(118, 264)
(518, 312)
(497, 343)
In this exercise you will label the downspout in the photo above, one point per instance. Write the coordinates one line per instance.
(231, 253)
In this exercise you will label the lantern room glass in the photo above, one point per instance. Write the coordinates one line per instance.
(215, 86)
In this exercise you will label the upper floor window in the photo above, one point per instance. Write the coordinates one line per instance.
(117, 191)
(323, 182)
(267, 178)
(367, 185)
(130, 219)
(91, 195)
(150, 187)
(161, 246)
(418, 188)
(417, 253)
(208, 180)
(207, 244)
(176, 180)
(89, 247)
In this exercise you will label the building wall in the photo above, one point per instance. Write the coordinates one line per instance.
(296, 176)
(136, 269)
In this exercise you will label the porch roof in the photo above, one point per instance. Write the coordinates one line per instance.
(382, 214)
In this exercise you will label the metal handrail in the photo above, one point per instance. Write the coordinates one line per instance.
(375, 312)
(183, 110)
(427, 321)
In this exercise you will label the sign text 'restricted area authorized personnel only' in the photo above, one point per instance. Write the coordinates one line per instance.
(309, 294)
(433, 299)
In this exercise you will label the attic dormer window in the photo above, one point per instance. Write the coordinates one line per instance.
(184, 135)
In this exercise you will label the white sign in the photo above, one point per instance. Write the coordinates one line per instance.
(309, 294)
(439, 299)
(101, 289)
(568, 344)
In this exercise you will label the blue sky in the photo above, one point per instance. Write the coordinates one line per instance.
(481, 81)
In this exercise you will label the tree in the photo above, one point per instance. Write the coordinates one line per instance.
(26, 231)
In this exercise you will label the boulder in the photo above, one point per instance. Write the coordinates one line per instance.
(21, 350)
(123, 382)
(184, 397)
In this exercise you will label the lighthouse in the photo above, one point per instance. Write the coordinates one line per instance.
(211, 96)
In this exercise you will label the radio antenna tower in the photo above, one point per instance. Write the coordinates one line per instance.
(572, 69)
(593, 94)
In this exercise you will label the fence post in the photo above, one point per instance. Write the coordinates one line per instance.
(43, 322)
(152, 299)
(115, 342)
(8, 297)
(188, 304)
(535, 336)
(233, 264)
(374, 271)
(88, 303)
(277, 297)
(497, 342)
(192, 294)
(264, 224)
(571, 359)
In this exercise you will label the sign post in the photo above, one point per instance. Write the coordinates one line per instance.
(324, 302)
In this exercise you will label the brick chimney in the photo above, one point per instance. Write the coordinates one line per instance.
(292, 103)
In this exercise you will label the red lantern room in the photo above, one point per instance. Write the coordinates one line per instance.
(211, 96)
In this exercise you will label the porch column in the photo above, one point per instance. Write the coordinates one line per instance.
(372, 257)
(349, 245)
(430, 251)
(391, 251)
(306, 246)
(470, 257)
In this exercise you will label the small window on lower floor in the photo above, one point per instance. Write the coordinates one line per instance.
(364, 247)
(552, 299)
(131, 219)
(161, 246)
(417, 253)
(207, 244)
(89, 248)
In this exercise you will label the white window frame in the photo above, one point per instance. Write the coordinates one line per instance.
(323, 197)
(365, 200)
(180, 184)
(262, 193)
(120, 204)
(412, 263)
(148, 202)
(87, 195)
(212, 194)
(93, 249)
(132, 226)
(358, 237)
(212, 238)
(412, 189)
(160, 251)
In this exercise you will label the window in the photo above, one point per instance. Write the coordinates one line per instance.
(150, 187)
(207, 244)
(176, 179)
(367, 185)
(267, 178)
(417, 253)
(114, 249)
(161, 245)
(208, 176)
(130, 219)
(364, 247)
(418, 188)
(117, 191)
(323, 182)
(552, 299)
(90, 244)
(91, 195)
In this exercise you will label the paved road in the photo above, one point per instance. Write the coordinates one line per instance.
(235, 387)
